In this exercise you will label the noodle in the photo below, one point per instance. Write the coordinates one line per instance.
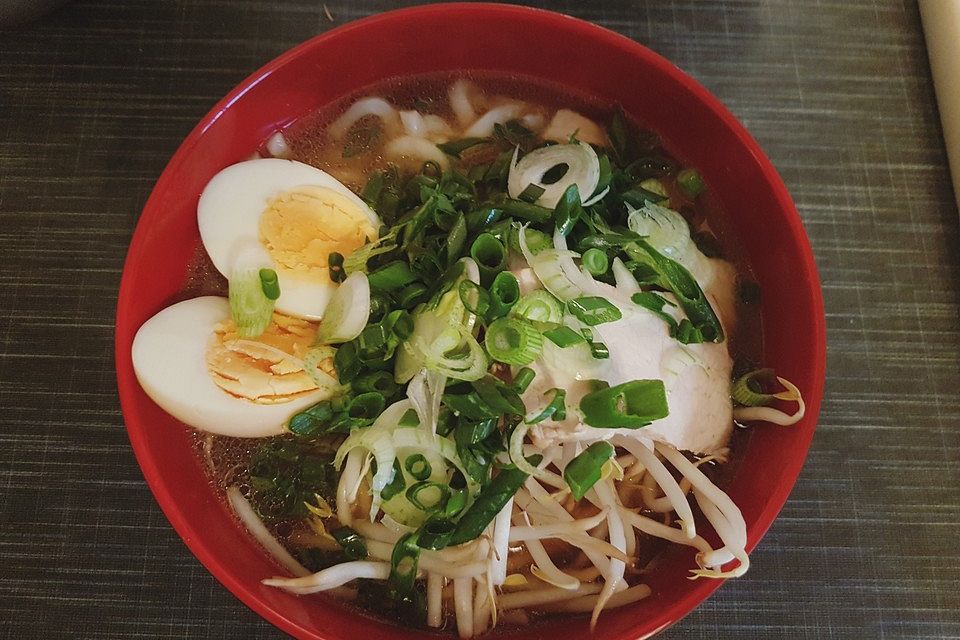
(434, 600)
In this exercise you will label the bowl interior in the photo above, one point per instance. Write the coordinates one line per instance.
(493, 38)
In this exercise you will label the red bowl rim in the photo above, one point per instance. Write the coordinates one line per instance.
(672, 612)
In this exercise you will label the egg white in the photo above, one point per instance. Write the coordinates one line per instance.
(169, 359)
(228, 215)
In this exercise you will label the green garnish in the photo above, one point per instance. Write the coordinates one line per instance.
(418, 466)
(523, 378)
(555, 408)
(538, 306)
(690, 183)
(504, 294)
(428, 496)
(594, 310)
(568, 209)
(269, 284)
(595, 261)
(629, 405)
(513, 341)
(748, 392)
(563, 337)
(488, 504)
(585, 470)
(354, 547)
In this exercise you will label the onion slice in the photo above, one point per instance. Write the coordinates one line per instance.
(583, 169)
(348, 311)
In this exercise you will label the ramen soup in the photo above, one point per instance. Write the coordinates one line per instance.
(471, 350)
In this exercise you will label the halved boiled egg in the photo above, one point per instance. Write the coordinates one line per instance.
(292, 217)
(190, 361)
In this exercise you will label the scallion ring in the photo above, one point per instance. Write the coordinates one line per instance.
(747, 391)
(418, 466)
(513, 341)
(523, 378)
(269, 284)
(428, 496)
(596, 261)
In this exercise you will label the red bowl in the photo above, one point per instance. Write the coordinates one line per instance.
(549, 46)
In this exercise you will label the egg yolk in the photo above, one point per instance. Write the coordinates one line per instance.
(268, 369)
(301, 228)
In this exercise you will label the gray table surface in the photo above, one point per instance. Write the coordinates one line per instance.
(95, 97)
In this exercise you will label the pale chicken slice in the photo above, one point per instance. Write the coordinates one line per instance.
(566, 123)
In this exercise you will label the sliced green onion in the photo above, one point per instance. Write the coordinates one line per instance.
(513, 341)
(504, 294)
(599, 350)
(594, 310)
(435, 533)
(376, 381)
(489, 503)
(482, 218)
(392, 277)
(584, 471)
(418, 466)
(563, 337)
(490, 255)
(746, 391)
(400, 322)
(379, 307)
(456, 237)
(469, 434)
(537, 241)
(475, 298)
(404, 562)
(411, 295)
(456, 503)
(428, 496)
(354, 547)
(347, 363)
(674, 277)
(690, 183)
(531, 193)
(396, 485)
(596, 261)
(312, 420)
(367, 406)
(629, 405)
(568, 210)
(250, 308)
(456, 147)
(469, 405)
(538, 306)
(269, 284)
(526, 211)
(499, 397)
(638, 197)
(555, 409)
(357, 260)
(523, 378)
